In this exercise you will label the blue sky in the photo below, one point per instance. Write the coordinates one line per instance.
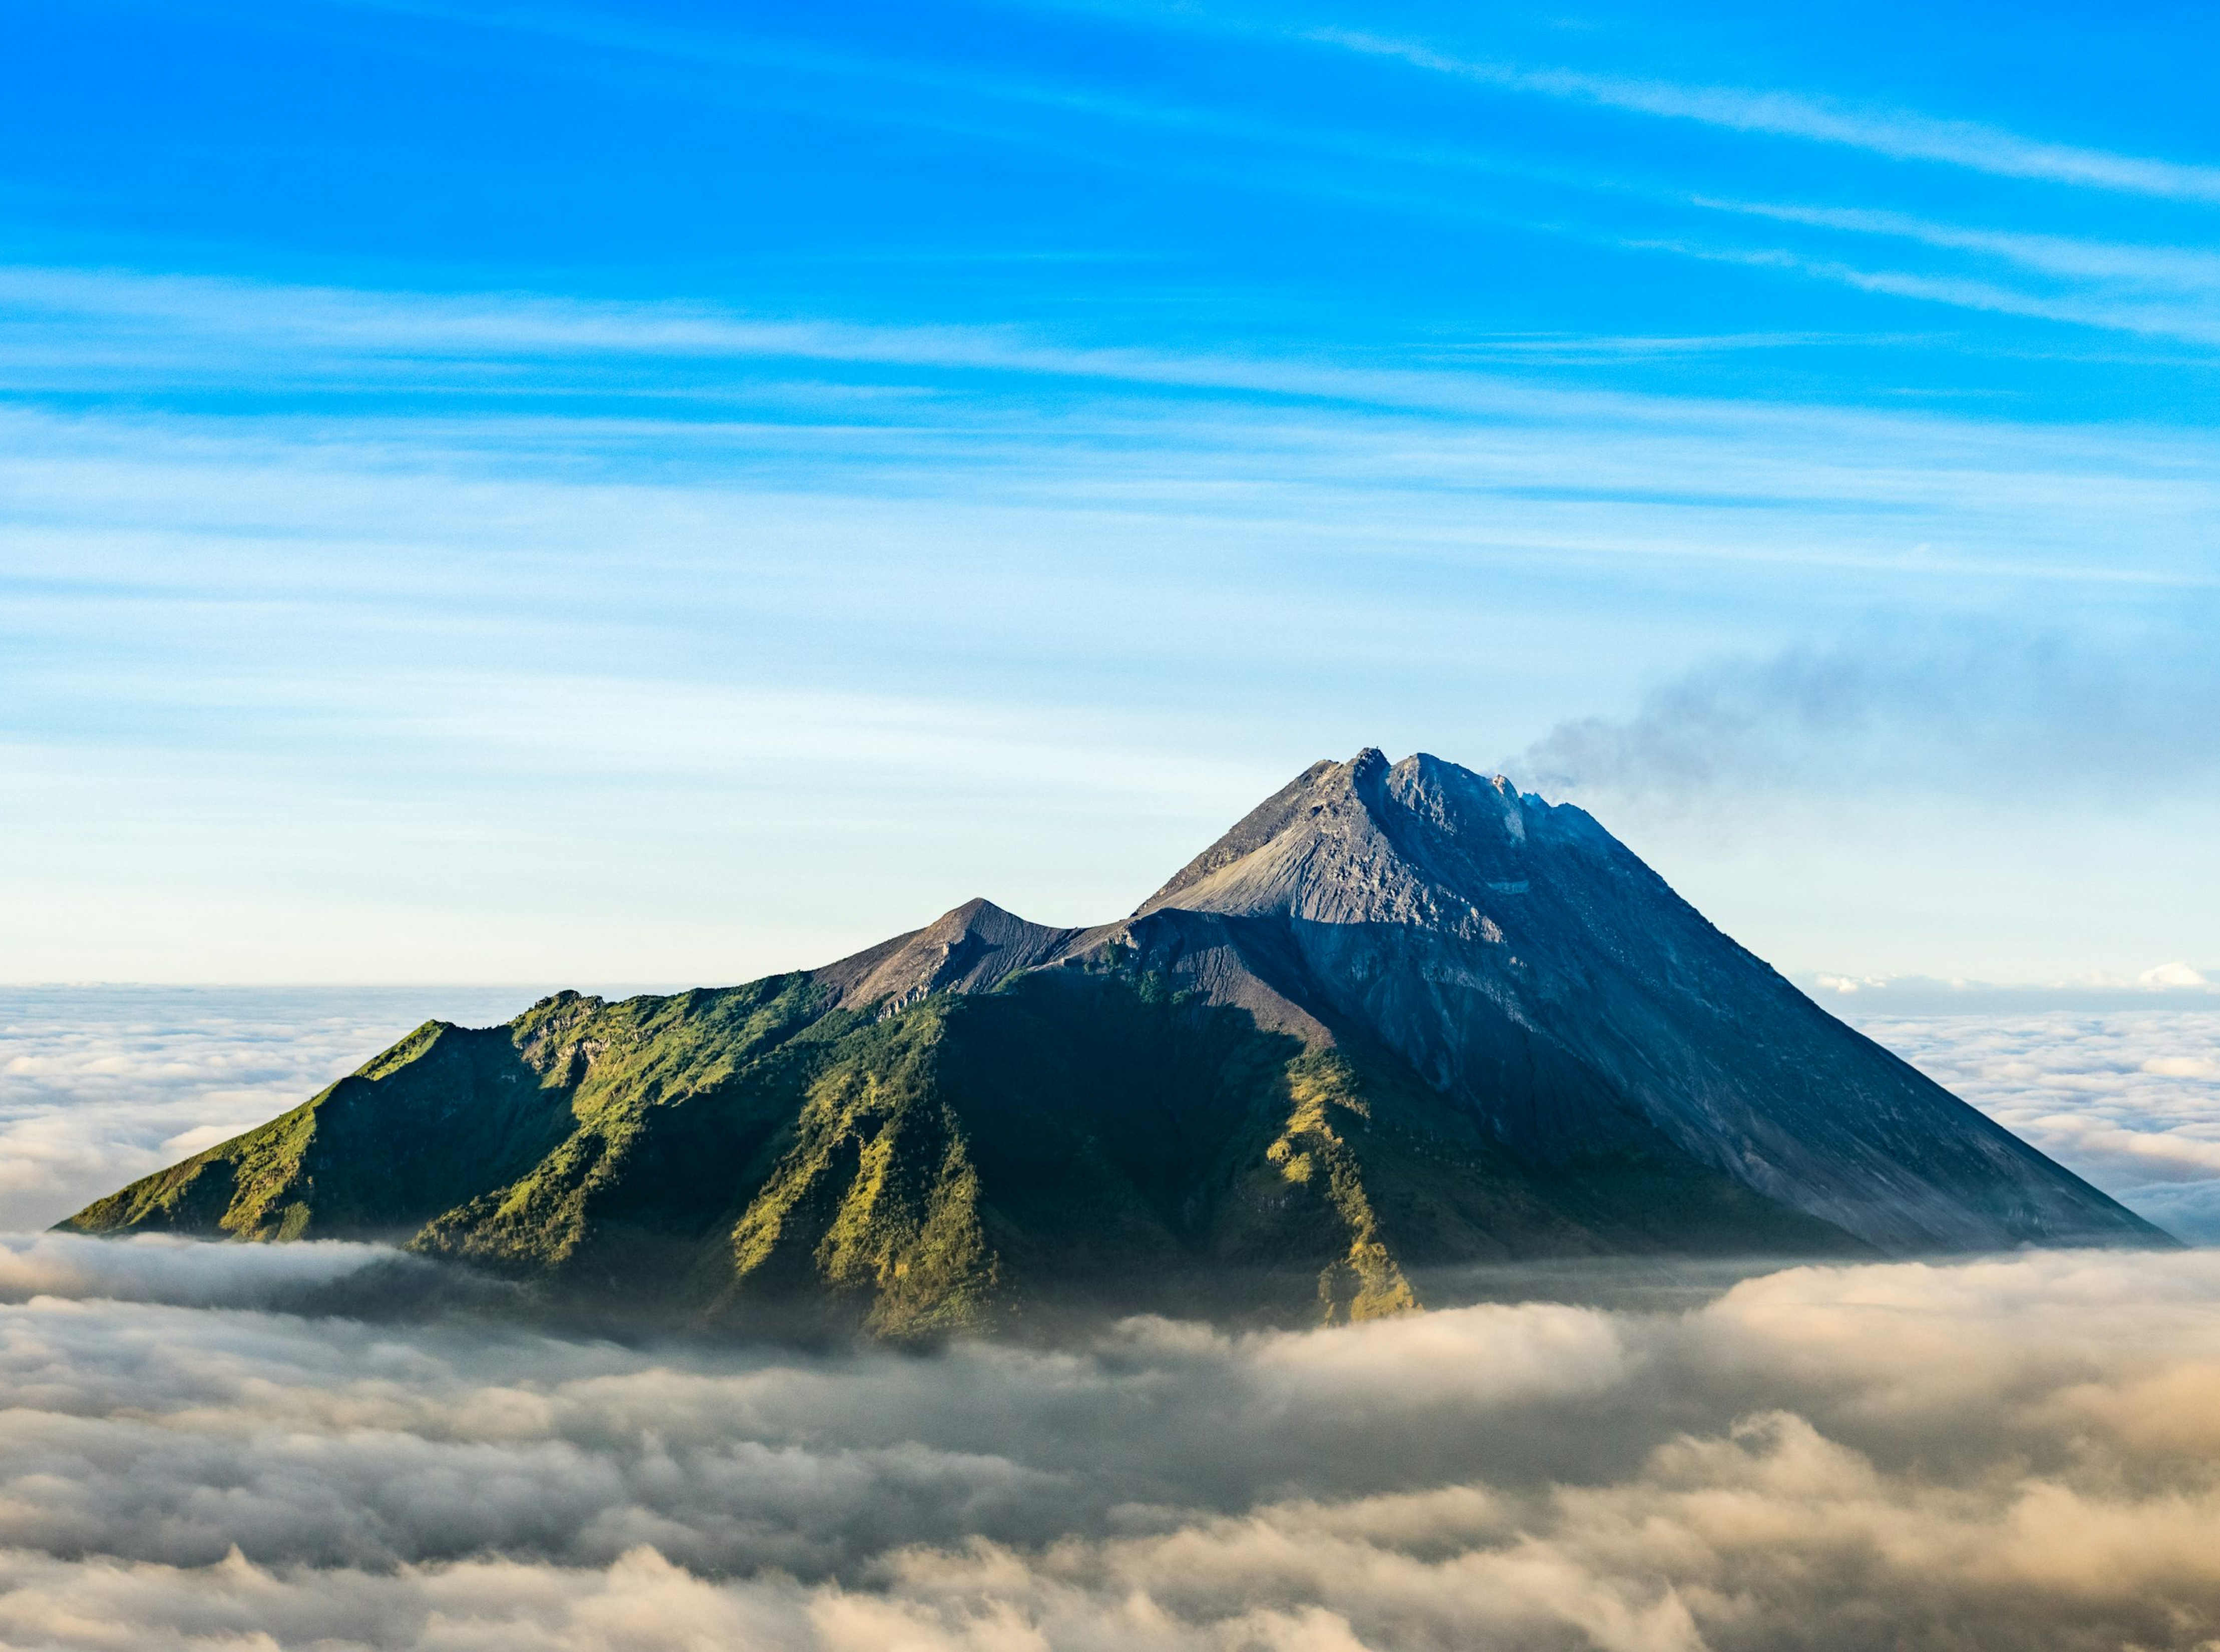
(660, 493)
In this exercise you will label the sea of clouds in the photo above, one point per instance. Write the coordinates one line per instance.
(2129, 1098)
(102, 1085)
(2021, 1452)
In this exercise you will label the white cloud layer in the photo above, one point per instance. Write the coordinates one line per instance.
(100, 1086)
(2010, 1454)
(157, 1268)
(2130, 1099)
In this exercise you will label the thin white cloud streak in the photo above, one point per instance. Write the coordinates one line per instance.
(154, 1268)
(1898, 135)
(2144, 264)
(132, 331)
(362, 328)
(2160, 291)
(1105, 453)
(2110, 311)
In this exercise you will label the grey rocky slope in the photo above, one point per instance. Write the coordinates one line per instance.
(1532, 969)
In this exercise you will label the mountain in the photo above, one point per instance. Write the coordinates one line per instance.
(1400, 1018)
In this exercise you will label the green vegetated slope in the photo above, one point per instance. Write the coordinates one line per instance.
(1081, 1134)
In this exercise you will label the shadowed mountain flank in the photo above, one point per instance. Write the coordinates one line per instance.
(1401, 1017)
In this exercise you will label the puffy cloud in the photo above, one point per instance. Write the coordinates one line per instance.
(2182, 1066)
(2020, 1452)
(2129, 1098)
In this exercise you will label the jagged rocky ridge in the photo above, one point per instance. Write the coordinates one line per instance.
(1401, 1017)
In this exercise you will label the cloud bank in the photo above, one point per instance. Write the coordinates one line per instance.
(156, 1267)
(2010, 1454)
(2130, 1099)
(101, 1086)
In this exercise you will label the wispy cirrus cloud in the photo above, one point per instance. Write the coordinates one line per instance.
(2185, 269)
(1894, 132)
(1900, 135)
(2152, 289)
(2109, 308)
(139, 334)
(520, 557)
(123, 320)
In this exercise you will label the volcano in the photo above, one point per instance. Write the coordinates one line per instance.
(1402, 1019)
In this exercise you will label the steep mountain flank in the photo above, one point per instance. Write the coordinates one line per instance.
(1528, 964)
(1400, 1017)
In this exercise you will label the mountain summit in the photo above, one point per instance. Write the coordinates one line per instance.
(1401, 1017)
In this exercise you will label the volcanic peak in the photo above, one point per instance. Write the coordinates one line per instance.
(1421, 842)
(1400, 1016)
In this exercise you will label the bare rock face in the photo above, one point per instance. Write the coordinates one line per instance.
(1529, 965)
(971, 948)
(1421, 843)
